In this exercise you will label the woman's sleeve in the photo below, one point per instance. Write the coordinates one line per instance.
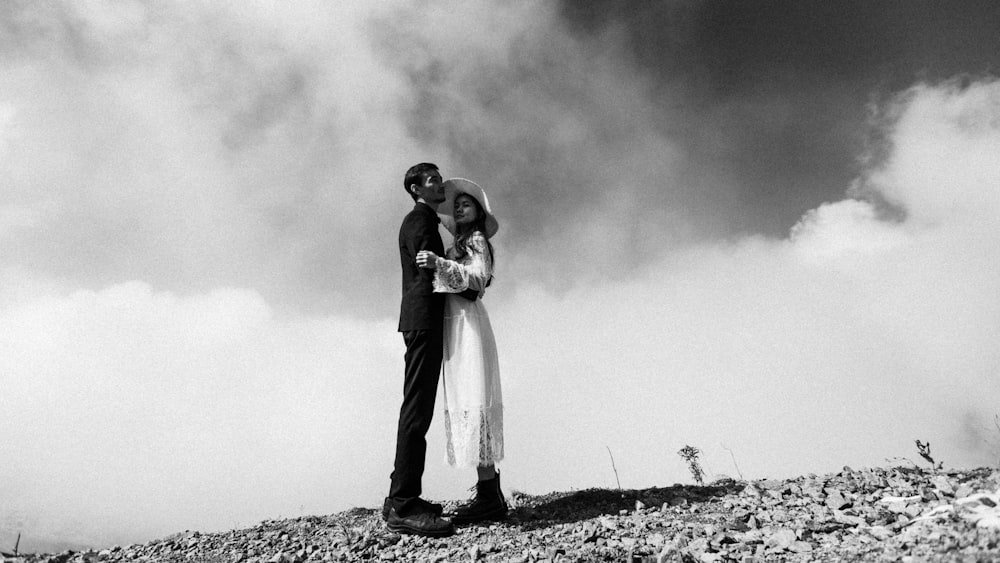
(456, 277)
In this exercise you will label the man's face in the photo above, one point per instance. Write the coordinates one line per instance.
(432, 189)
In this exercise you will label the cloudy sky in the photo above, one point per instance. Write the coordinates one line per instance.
(768, 230)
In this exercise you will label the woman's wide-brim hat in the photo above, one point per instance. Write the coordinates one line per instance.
(458, 186)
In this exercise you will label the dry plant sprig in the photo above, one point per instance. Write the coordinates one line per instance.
(614, 468)
(690, 455)
(924, 449)
(738, 472)
(996, 422)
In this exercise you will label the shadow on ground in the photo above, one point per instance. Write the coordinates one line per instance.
(532, 512)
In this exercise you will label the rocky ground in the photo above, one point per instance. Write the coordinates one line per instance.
(881, 514)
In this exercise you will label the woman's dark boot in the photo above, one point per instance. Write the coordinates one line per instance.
(489, 504)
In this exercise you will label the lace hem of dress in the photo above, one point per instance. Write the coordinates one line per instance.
(475, 437)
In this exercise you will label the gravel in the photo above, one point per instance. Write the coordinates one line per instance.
(902, 514)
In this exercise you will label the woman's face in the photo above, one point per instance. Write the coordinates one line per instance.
(465, 211)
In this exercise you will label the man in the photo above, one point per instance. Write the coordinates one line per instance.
(421, 316)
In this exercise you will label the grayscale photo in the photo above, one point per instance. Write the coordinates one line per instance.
(647, 281)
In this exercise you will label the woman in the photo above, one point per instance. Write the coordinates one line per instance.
(470, 371)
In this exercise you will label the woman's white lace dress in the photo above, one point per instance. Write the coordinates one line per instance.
(470, 372)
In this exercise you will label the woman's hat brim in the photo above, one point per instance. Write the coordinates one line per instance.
(455, 187)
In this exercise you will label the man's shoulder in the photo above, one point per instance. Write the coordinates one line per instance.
(419, 214)
(417, 224)
(413, 212)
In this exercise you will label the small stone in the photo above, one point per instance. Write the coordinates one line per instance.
(850, 519)
(992, 521)
(836, 500)
(800, 547)
(880, 532)
(778, 515)
(813, 491)
(942, 484)
(898, 507)
(670, 552)
(781, 539)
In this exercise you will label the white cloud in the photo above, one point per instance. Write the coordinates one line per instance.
(945, 147)
(201, 145)
(137, 413)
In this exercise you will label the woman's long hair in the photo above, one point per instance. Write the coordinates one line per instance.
(464, 233)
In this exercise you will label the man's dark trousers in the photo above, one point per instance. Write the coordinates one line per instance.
(423, 368)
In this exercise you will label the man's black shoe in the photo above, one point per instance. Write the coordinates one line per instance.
(422, 505)
(421, 524)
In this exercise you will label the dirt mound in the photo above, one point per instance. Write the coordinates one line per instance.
(880, 514)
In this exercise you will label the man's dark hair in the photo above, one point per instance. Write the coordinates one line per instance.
(416, 175)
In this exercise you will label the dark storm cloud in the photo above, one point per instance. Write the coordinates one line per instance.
(559, 130)
(776, 95)
(625, 129)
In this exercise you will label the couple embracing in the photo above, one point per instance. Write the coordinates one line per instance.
(448, 336)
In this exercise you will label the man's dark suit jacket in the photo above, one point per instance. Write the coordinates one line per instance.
(421, 308)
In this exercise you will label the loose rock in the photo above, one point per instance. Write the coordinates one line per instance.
(878, 514)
